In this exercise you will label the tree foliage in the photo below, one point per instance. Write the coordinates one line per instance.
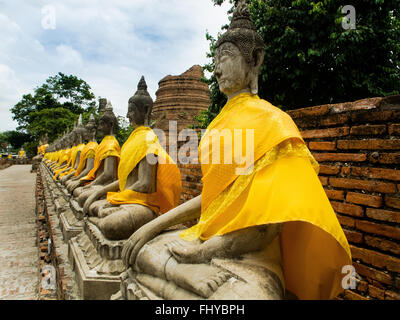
(123, 130)
(53, 108)
(310, 59)
(14, 139)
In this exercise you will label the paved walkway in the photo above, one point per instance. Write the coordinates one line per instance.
(18, 234)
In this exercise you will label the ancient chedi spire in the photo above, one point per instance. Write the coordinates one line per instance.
(80, 120)
(242, 32)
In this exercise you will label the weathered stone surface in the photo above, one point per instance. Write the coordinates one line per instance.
(97, 263)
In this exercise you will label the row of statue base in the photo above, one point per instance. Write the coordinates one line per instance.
(96, 260)
(101, 274)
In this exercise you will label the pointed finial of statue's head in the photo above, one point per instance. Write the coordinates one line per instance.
(109, 107)
(140, 105)
(242, 32)
(91, 119)
(142, 85)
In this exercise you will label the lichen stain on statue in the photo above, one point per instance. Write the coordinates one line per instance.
(144, 189)
(260, 235)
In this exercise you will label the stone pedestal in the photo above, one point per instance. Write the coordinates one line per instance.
(68, 210)
(97, 263)
(72, 220)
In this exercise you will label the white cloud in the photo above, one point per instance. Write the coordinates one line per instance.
(68, 57)
(109, 44)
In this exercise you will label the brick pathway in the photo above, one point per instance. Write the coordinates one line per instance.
(18, 234)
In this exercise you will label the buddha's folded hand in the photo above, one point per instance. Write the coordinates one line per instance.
(186, 252)
(92, 198)
(136, 242)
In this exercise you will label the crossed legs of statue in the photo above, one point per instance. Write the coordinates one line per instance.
(83, 193)
(196, 280)
(119, 222)
(72, 185)
(67, 177)
(243, 264)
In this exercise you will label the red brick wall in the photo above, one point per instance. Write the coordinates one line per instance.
(357, 145)
(358, 148)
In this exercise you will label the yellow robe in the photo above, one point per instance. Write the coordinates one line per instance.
(21, 154)
(65, 158)
(72, 161)
(60, 155)
(141, 142)
(109, 147)
(283, 187)
(88, 152)
(42, 149)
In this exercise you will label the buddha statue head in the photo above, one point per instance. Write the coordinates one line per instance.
(140, 106)
(108, 121)
(102, 105)
(239, 53)
(90, 130)
(69, 139)
(46, 139)
(78, 132)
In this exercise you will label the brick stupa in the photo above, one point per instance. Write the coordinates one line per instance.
(180, 98)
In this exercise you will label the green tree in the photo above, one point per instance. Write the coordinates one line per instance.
(310, 59)
(13, 139)
(53, 107)
(124, 129)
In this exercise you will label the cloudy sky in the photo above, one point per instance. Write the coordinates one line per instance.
(109, 44)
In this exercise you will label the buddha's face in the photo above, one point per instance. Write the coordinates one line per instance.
(136, 118)
(231, 69)
(104, 127)
(88, 133)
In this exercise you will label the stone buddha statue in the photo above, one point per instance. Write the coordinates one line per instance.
(86, 157)
(66, 156)
(106, 160)
(265, 224)
(55, 149)
(36, 160)
(82, 135)
(144, 189)
(63, 150)
(72, 153)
